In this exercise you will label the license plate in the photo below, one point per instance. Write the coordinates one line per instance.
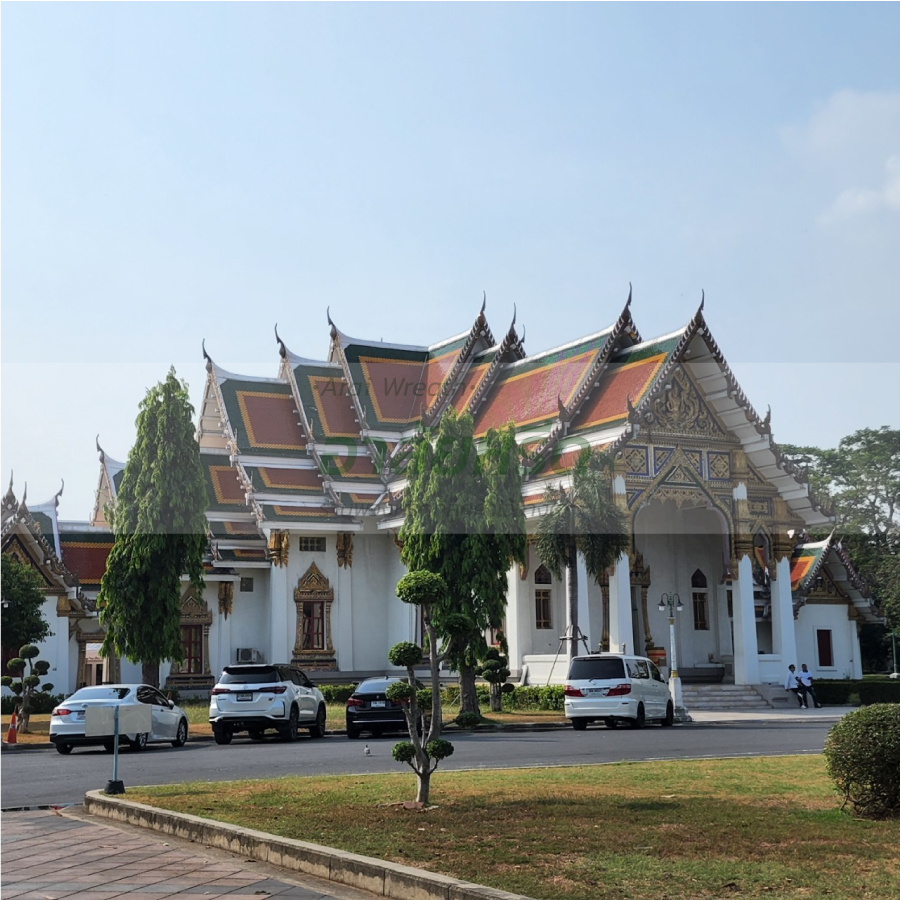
(377, 704)
(244, 696)
(600, 692)
(79, 715)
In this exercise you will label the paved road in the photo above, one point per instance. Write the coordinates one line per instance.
(38, 777)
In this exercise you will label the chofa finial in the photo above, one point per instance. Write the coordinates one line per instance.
(281, 348)
(628, 301)
(483, 301)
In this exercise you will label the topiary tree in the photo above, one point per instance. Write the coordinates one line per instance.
(24, 684)
(495, 670)
(862, 755)
(423, 751)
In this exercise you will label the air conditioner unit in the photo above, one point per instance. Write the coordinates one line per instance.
(248, 655)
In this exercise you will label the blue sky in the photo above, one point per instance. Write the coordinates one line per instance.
(174, 172)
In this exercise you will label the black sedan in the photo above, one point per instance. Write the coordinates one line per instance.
(368, 709)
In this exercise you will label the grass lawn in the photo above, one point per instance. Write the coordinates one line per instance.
(683, 830)
(198, 717)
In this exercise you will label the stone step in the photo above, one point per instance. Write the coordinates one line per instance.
(722, 696)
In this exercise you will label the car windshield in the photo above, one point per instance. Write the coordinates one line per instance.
(101, 693)
(375, 686)
(250, 675)
(602, 668)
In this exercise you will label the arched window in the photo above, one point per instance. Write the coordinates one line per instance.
(542, 618)
(700, 599)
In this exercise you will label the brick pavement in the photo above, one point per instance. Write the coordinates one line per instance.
(49, 855)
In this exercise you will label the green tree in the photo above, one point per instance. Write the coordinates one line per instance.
(464, 521)
(24, 683)
(159, 524)
(861, 479)
(582, 519)
(424, 749)
(21, 617)
(494, 669)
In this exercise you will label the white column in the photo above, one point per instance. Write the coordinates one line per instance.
(784, 637)
(282, 617)
(855, 655)
(584, 607)
(621, 630)
(342, 619)
(746, 659)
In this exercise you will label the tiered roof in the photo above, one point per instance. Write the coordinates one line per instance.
(322, 445)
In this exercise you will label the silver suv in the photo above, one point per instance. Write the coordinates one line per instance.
(258, 697)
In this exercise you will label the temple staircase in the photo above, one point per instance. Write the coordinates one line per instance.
(722, 696)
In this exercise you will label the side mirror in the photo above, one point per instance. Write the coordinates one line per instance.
(171, 704)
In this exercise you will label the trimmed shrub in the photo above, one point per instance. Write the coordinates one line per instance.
(336, 693)
(42, 703)
(467, 719)
(879, 692)
(862, 753)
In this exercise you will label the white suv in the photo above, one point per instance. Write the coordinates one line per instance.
(612, 688)
(254, 698)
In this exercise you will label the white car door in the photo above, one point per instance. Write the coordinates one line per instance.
(306, 698)
(163, 717)
(651, 695)
(660, 687)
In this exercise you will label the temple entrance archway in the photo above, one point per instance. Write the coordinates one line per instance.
(685, 545)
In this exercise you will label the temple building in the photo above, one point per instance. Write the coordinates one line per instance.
(306, 469)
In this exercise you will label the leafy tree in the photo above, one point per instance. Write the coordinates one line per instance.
(861, 478)
(464, 521)
(25, 683)
(583, 519)
(160, 533)
(423, 751)
(22, 618)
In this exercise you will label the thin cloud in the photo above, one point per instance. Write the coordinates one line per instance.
(854, 202)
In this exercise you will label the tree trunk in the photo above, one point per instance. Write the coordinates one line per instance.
(150, 673)
(434, 728)
(572, 630)
(468, 698)
(496, 698)
(423, 781)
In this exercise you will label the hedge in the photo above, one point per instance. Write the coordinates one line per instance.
(852, 693)
(42, 703)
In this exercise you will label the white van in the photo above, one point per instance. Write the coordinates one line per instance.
(612, 687)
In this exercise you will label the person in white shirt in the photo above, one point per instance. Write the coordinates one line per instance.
(804, 676)
(793, 684)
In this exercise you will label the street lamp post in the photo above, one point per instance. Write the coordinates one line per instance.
(672, 602)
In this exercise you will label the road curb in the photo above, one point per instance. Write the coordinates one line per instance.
(362, 872)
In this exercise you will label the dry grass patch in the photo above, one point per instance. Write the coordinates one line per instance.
(683, 830)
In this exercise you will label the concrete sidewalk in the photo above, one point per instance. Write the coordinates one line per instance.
(68, 855)
(735, 717)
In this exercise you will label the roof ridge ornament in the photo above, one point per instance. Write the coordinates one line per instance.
(210, 365)
(281, 347)
(100, 449)
(628, 301)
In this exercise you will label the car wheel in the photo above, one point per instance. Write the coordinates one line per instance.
(109, 746)
(289, 731)
(611, 723)
(222, 735)
(640, 719)
(65, 749)
(669, 720)
(579, 724)
(352, 733)
(256, 734)
(139, 742)
(181, 734)
(318, 730)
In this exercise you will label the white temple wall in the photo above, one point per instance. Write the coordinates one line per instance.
(375, 575)
(832, 618)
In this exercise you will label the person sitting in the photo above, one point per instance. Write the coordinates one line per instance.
(804, 677)
(792, 684)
